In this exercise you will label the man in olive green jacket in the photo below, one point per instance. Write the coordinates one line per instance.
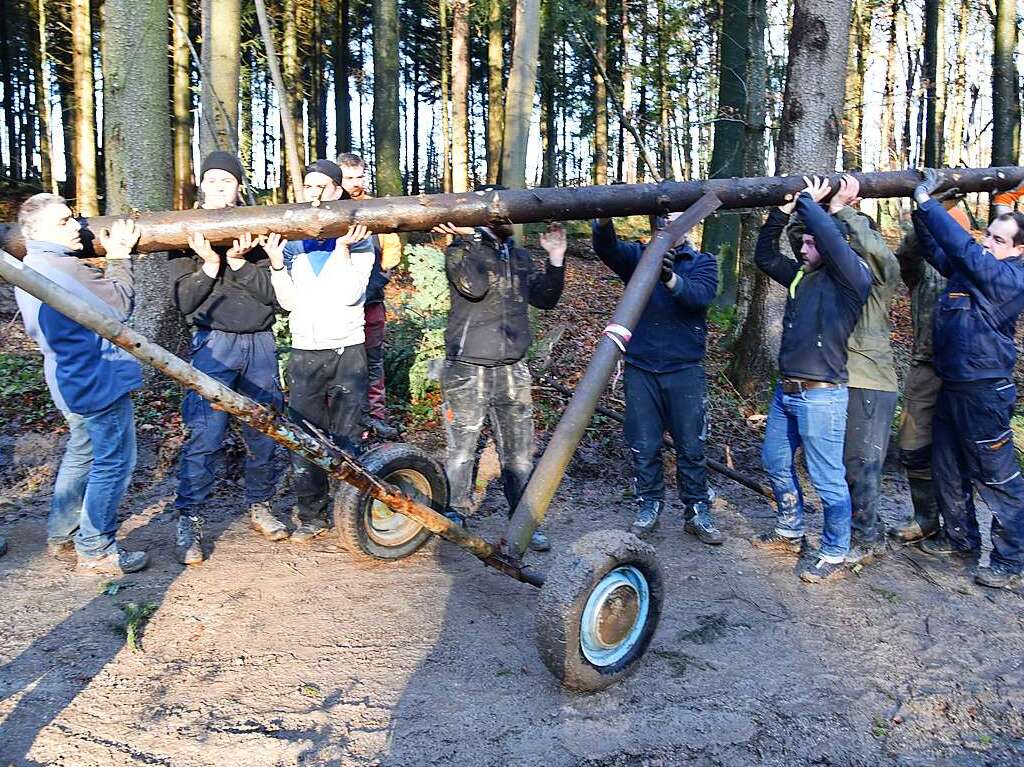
(873, 389)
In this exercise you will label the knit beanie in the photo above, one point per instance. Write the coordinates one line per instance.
(222, 161)
(330, 169)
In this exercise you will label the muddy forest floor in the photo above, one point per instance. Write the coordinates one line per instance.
(276, 654)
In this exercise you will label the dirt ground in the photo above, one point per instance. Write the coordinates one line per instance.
(275, 654)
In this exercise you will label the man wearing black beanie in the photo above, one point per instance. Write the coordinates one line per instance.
(228, 300)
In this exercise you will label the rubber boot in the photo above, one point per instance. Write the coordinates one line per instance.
(926, 512)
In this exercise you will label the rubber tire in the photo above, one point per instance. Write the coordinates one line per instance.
(350, 504)
(563, 598)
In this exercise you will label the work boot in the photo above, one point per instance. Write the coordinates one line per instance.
(646, 521)
(925, 522)
(307, 531)
(775, 541)
(699, 523)
(382, 428)
(118, 562)
(940, 545)
(3, 545)
(539, 541)
(188, 543)
(821, 571)
(62, 551)
(264, 522)
(866, 552)
(997, 577)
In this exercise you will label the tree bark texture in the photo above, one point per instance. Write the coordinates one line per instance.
(495, 88)
(386, 137)
(600, 92)
(460, 95)
(218, 118)
(181, 113)
(42, 85)
(86, 182)
(933, 76)
(1005, 96)
(522, 81)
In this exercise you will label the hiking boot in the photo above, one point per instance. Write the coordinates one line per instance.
(940, 545)
(913, 531)
(997, 577)
(62, 551)
(821, 571)
(188, 542)
(264, 522)
(539, 542)
(307, 531)
(3, 545)
(866, 552)
(699, 523)
(119, 562)
(775, 541)
(382, 428)
(646, 521)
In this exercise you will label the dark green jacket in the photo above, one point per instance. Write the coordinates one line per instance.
(925, 285)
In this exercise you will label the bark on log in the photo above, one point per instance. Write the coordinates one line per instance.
(168, 230)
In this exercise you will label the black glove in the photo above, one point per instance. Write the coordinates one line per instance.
(668, 265)
(931, 180)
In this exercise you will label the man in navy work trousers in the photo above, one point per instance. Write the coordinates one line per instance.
(975, 355)
(825, 295)
(666, 387)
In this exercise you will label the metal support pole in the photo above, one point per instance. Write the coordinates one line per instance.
(547, 476)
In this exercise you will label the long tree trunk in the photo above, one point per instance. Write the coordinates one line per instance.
(957, 90)
(934, 73)
(1005, 97)
(628, 159)
(218, 116)
(548, 111)
(293, 96)
(808, 141)
(600, 92)
(460, 93)
(722, 231)
(137, 144)
(181, 113)
(42, 83)
(386, 137)
(664, 104)
(495, 88)
(522, 81)
(86, 183)
(446, 127)
(887, 144)
(342, 106)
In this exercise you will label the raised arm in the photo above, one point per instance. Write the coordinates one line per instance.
(620, 257)
(767, 256)
(117, 286)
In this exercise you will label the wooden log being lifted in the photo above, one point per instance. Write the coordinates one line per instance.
(169, 230)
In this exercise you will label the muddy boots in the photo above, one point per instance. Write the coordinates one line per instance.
(188, 540)
(926, 512)
(263, 521)
(647, 513)
(700, 524)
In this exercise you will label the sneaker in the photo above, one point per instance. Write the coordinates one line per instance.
(539, 542)
(264, 522)
(699, 523)
(307, 531)
(866, 552)
(912, 531)
(821, 570)
(382, 428)
(188, 542)
(119, 562)
(940, 545)
(646, 521)
(996, 577)
(773, 540)
(62, 551)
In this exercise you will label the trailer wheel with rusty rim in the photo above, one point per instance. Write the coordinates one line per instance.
(598, 609)
(370, 529)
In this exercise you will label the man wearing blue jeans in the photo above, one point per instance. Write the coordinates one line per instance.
(89, 380)
(825, 295)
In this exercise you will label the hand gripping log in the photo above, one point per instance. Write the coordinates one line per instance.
(169, 230)
(285, 432)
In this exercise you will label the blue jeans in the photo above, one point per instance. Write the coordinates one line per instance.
(816, 420)
(94, 473)
(247, 363)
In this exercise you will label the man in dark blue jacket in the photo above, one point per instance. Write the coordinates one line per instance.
(975, 355)
(665, 383)
(825, 295)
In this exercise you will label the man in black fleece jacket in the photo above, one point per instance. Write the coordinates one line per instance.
(228, 301)
(825, 295)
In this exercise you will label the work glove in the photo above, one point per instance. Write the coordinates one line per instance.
(668, 264)
(931, 180)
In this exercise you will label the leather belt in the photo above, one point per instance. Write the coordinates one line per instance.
(800, 385)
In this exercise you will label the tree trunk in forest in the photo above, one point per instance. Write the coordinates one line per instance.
(460, 94)
(245, 122)
(416, 67)
(628, 158)
(42, 83)
(548, 110)
(722, 231)
(294, 94)
(7, 61)
(137, 144)
(446, 127)
(218, 116)
(1005, 97)
(317, 106)
(386, 137)
(522, 81)
(957, 90)
(342, 107)
(86, 183)
(809, 136)
(642, 110)
(664, 105)
(856, 66)
(65, 81)
(887, 151)
(181, 113)
(600, 93)
(906, 146)
(495, 88)
(933, 76)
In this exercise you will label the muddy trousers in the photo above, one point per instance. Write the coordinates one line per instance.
(327, 388)
(973, 448)
(676, 402)
(472, 393)
(868, 423)
(376, 396)
(920, 394)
